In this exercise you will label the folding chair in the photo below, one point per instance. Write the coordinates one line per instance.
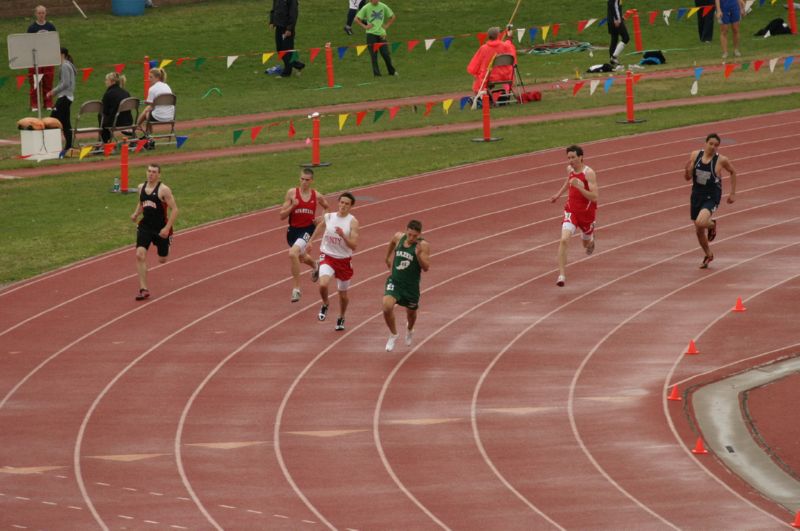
(127, 105)
(497, 88)
(163, 99)
(89, 108)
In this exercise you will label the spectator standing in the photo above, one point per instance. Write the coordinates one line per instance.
(64, 93)
(283, 18)
(114, 94)
(47, 72)
(617, 30)
(481, 61)
(729, 13)
(376, 17)
(705, 22)
(352, 8)
(157, 113)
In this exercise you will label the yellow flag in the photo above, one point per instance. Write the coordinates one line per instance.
(342, 120)
(446, 105)
(360, 49)
(692, 11)
(265, 57)
(164, 63)
(85, 151)
(545, 30)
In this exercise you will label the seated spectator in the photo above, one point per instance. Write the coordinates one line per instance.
(115, 93)
(156, 113)
(480, 62)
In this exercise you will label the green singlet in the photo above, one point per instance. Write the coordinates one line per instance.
(403, 283)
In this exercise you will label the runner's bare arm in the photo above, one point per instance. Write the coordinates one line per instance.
(288, 204)
(687, 170)
(423, 255)
(352, 240)
(727, 165)
(169, 199)
(323, 202)
(392, 246)
(139, 207)
(560, 190)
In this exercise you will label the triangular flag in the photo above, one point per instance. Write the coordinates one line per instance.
(653, 15)
(20, 81)
(395, 46)
(745, 66)
(360, 49)
(429, 43)
(412, 45)
(181, 60)
(254, 132)
(282, 53)
(555, 30)
(636, 78)
(532, 32)
(342, 120)
(119, 67)
(23, 157)
(692, 11)
(265, 57)
(446, 104)
(3, 81)
(589, 23)
(729, 68)
(36, 79)
(577, 87)
(360, 117)
(393, 111)
(232, 59)
(199, 62)
(772, 63)
(428, 107)
(85, 151)
(312, 54)
(140, 144)
(667, 13)
(788, 63)
(593, 86)
(582, 25)
(292, 132)
(108, 149)
(87, 72)
(707, 10)
(341, 50)
(447, 41)
(520, 34)
(236, 134)
(377, 115)
(180, 141)
(681, 11)
(748, 5)
(165, 63)
(602, 21)
(153, 63)
(698, 71)
(758, 64)
(466, 100)
(607, 84)
(482, 36)
(545, 30)
(693, 90)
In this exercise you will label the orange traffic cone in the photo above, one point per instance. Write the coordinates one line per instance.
(674, 394)
(739, 306)
(692, 348)
(699, 448)
(796, 522)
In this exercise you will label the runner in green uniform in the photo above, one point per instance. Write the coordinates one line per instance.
(408, 255)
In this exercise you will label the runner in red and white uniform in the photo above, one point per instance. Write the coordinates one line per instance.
(300, 206)
(579, 212)
(339, 239)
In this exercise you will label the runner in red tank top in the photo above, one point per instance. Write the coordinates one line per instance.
(300, 206)
(579, 212)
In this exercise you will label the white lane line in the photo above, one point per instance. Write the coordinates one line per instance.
(102, 484)
(130, 489)
(49, 503)
(280, 516)
(23, 498)
(226, 506)
(125, 517)
(74, 507)
(254, 511)
(153, 522)
(156, 493)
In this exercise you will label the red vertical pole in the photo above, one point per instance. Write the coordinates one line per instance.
(792, 18)
(146, 75)
(329, 63)
(315, 141)
(487, 126)
(629, 96)
(637, 31)
(123, 167)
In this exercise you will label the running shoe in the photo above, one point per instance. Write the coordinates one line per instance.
(348, 30)
(323, 312)
(706, 260)
(590, 247)
(295, 294)
(339, 324)
(561, 281)
(409, 337)
(737, 53)
(143, 294)
(712, 231)
(315, 273)
(390, 343)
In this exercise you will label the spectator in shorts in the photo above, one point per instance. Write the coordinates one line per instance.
(729, 13)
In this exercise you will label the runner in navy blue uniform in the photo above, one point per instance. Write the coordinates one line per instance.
(704, 169)
(159, 211)
(300, 206)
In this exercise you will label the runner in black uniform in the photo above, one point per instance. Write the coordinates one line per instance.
(703, 169)
(159, 211)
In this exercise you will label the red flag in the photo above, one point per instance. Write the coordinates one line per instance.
(555, 30)
(360, 117)
(292, 132)
(758, 64)
(428, 107)
(577, 87)
(313, 54)
(119, 67)
(87, 72)
(108, 149)
(636, 78)
(180, 60)
(22, 156)
(20, 81)
(393, 111)
(653, 15)
(140, 145)
(254, 132)
(582, 25)
(412, 45)
(729, 68)
(282, 53)
(377, 46)
(707, 9)
(482, 36)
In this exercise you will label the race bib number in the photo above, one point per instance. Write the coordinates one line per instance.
(389, 286)
(403, 264)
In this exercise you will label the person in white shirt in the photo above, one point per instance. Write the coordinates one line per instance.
(339, 239)
(157, 113)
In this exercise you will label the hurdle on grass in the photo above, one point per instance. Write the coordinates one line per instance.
(487, 126)
(629, 81)
(315, 159)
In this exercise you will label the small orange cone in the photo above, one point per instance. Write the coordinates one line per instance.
(796, 522)
(692, 348)
(739, 306)
(699, 448)
(674, 394)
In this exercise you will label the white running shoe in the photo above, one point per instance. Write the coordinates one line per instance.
(561, 281)
(409, 337)
(390, 343)
(295, 294)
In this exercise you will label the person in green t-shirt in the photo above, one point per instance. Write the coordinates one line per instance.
(407, 257)
(376, 17)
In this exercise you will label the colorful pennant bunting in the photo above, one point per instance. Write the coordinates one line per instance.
(446, 104)
(265, 57)
(237, 134)
(447, 41)
(85, 151)
(360, 117)
(342, 120)
(312, 54)
(180, 141)
(254, 131)
(87, 72)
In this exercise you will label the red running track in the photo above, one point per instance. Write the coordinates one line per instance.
(219, 404)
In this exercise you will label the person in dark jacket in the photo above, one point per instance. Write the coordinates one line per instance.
(617, 30)
(115, 93)
(47, 72)
(705, 23)
(283, 17)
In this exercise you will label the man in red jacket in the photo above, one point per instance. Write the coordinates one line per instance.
(483, 58)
